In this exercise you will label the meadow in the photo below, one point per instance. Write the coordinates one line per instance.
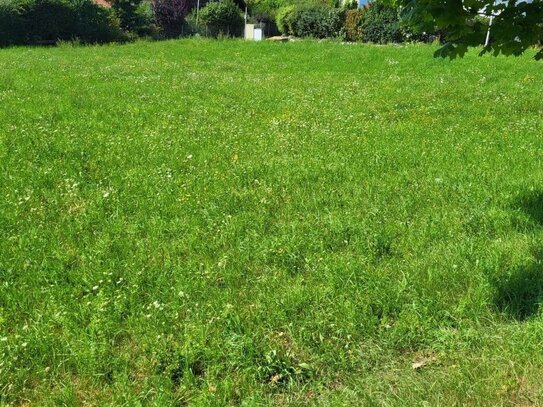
(214, 223)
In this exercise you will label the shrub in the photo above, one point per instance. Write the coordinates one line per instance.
(95, 24)
(170, 15)
(50, 21)
(133, 15)
(265, 8)
(316, 21)
(221, 18)
(284, 19)
(381, 24)
(11, 24)
(145, 24)
(353, 24)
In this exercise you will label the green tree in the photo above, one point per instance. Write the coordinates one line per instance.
(131, 15)
(516, 25)
(223, 17)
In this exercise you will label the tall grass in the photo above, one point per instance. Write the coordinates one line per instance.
(231, 223)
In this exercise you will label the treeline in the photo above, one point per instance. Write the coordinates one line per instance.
(99, 21)
(42, 22)
(377, 22)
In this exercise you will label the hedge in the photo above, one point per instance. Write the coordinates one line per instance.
(381, 24)
(34, 22)
(313, 21)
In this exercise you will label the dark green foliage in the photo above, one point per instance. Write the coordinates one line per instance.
(134, 15)
(50, 21)
(381, 24)
(95, 24)
(353, 24)
(47, 21)
(222, 18)
(517, 25)
(126, 10)
(11, 23)
(315, 21)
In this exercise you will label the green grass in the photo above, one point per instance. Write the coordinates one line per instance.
(230, 223)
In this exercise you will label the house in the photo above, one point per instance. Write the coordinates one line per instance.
(103, 3)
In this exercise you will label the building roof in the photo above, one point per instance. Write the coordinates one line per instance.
(103, 3)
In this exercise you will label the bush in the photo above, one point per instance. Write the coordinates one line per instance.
(95, 24)
(49, 21)
(353, 24)
(145, 20)
(222, 18)
(134, 16)
(11, 24)
(316, 21)
(381, 24)
(170, 15)
(268, 8)
(284, 19)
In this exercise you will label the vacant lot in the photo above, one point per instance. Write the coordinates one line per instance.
(223, 223)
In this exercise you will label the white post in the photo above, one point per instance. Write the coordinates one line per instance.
(487, 41)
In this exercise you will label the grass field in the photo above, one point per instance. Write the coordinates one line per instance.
(230, 223)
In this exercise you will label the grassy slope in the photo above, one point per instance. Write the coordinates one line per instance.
(226, 222)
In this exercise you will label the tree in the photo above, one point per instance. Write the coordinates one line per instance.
(170, 15)
(514, 25)
(265, 7)
(127, 12)
(271, 7)
(223, 17)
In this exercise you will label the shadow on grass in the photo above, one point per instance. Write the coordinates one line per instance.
(520, 294)
(532, 205)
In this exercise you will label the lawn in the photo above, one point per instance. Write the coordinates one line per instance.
(217, 223)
